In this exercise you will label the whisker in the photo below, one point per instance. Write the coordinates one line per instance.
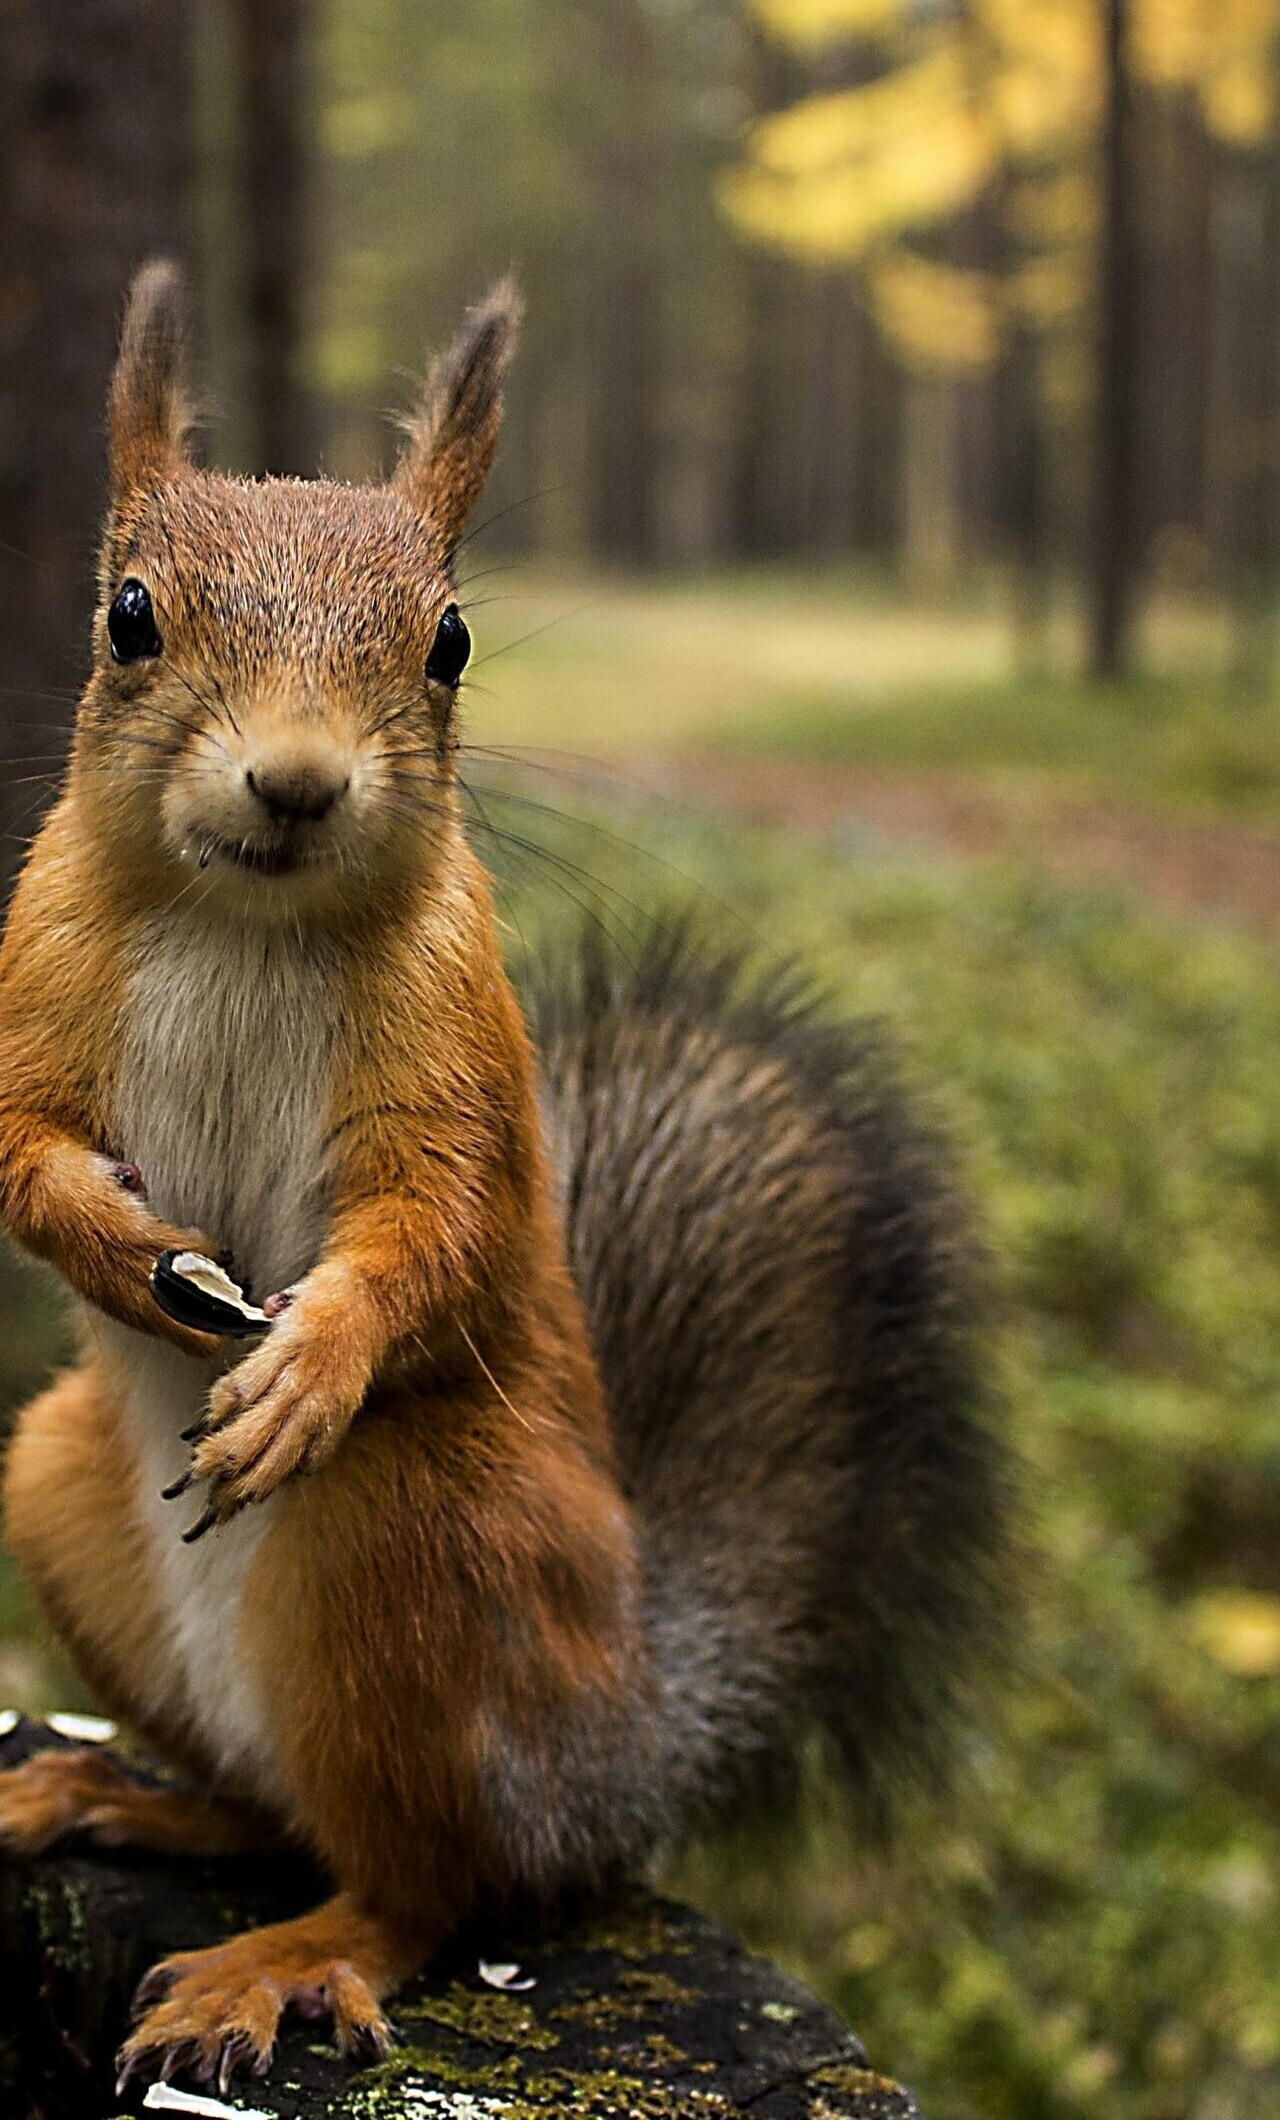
(592, 603)
(526, 500)
(605, 899)
(57, 699)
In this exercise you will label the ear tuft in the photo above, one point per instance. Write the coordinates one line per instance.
(454, 432)
(147, 412)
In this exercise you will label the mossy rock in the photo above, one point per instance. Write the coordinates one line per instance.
(640, 2009)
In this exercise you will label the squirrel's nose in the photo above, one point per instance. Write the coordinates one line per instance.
(296, 793)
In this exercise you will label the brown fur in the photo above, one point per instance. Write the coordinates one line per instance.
(296, 622)
(453, 435)
(468, 1654)
(82, 1791)
(68, 1524)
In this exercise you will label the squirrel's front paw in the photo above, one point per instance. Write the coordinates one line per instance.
(281, 1411)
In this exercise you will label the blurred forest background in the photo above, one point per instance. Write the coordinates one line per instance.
(884, 549)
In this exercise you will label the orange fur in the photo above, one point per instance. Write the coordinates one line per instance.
(219, 2009)
(83, 1792)
(453, 1592)
(60, 996)
(69, 1526)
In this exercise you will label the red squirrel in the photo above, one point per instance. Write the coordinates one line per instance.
(618, 1416)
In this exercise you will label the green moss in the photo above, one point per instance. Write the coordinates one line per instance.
(60, 1920)
(661, 2052)
(600, 2094)
(649, 1988)
(633, 1992)
(492, 2073)
(488, 2019)
(635, 1930)
(856, 2082)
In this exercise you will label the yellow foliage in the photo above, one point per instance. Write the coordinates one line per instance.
(1059, 37)
(1050, 290)
(834, 174)
(1058, 207)
(1223, 50)
(1239, 104)
(941, 318)
(1172, 40)
(1040, 111)
(839, 214)
(816, 22)
(1012, 87)
(1240, 1630)
(863, 122)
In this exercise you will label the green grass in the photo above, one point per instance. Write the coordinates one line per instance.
(1183, 740)
(610, 666)
(848, 668)
(1102, 1937)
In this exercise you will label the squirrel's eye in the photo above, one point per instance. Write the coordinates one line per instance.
(131, 624)
(449, 649)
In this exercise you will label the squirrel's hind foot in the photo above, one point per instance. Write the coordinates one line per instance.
(211, 2013)
(59, 1793)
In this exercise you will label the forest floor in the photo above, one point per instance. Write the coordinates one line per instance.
(1216, 866)
(881, 720)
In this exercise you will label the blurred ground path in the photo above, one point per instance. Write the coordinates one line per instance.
(849, 710)
(1218, 866)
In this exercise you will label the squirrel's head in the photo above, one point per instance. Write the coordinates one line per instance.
(270, 720)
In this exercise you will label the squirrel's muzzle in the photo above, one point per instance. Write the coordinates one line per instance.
(299, 791)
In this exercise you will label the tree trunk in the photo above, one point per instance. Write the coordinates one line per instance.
(930, 530)
(1112, 562)
(1023, 499)
(93, 178)
(634, 2007)
(270, 47)
(622, 463)
(1253, 438)
(1177, 315)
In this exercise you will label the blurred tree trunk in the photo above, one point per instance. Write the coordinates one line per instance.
(93, 178)
(1177, 155)
(752, 474)
(623, 453)
(1112, 562)
(832, 381)
(930, 519)
(1254, 433)
(271, 50)
(1023, 498)
(765, 279)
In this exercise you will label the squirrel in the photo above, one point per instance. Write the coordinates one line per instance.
(618, 1427)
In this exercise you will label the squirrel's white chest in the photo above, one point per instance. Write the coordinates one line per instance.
(223, 1103)
(223, 1092)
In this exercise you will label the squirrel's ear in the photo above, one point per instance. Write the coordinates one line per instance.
(147, 411)
(454, 432)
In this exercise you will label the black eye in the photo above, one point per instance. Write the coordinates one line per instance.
(131, 624)
(449, 649)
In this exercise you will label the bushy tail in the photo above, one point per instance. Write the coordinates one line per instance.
(779, 1285)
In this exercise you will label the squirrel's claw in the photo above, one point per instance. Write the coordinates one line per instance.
(204, 1522)
(210, 2014)
(279, 1413)
(152, 1987)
